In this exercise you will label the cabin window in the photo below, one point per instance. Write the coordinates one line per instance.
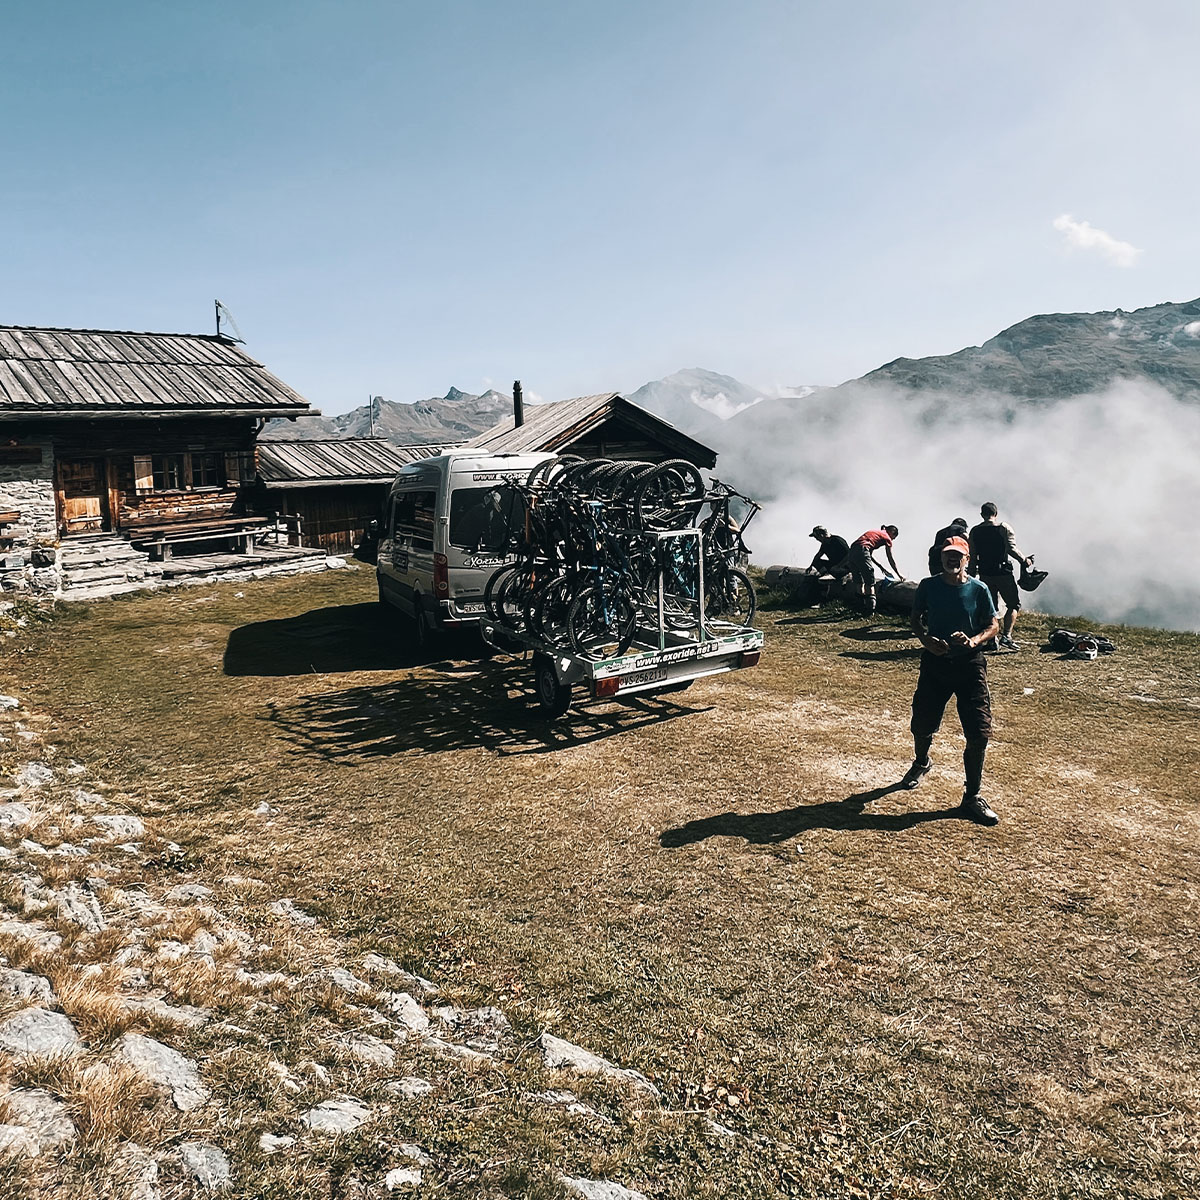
(208, 470)
(167, 472)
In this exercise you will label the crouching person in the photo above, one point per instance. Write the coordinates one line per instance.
(953, 616)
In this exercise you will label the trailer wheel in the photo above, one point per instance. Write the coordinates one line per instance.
(553, 695)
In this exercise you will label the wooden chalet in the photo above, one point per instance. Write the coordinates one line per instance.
(129, 432)
(603, 426)
(336, 488)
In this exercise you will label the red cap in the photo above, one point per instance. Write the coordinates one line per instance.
(958, 544)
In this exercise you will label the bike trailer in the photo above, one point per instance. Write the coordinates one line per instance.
(643, 668)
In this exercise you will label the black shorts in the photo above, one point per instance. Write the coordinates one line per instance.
(1003, 587)
(965, 678)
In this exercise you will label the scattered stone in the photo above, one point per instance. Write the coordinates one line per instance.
(411, 1087)
(557, 1053)
(366, 1048)
(270, 1144)
(339, 978)
(165, 1068)
(259, 980)
(402, 1177)
(598, 1189)
(207, 1165)
(68, 850)
(23, 986)
(94, 883)
(171, 950)
(376, 964)
(413, 1151)
(561, 1098)
(406, 1010)
(450, 1050)
(317, 1071)
(9, 702)
(44, 1117)
(33, 775)
(82, 796)
(135, 1172)
(482, 1028)
(187, 1016)
(38, 1031)
(80, 909)
(14, 815)
(36, 848)
(265, 810)
(286, 908)
(186, 893)
(16, 1139)
(121, 826)
(42, 939)
(130, 848)
(721, 1131)
(76, 768)
(339, 1114)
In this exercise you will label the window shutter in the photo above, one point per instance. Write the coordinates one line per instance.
(143, 473)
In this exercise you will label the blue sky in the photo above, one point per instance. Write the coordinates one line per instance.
(392, 198)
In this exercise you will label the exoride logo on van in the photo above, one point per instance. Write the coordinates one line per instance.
(491, 477)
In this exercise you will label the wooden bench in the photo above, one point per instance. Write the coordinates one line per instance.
(160, 539)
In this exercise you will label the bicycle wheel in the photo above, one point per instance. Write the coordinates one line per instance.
(546, 611)
(546, 473)
(729, 599)
(496, 584)
(601, 622)
(668, 497)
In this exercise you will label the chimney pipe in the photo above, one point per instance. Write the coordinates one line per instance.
(518, 405)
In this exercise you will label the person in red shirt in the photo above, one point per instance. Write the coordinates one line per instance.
(862, 562)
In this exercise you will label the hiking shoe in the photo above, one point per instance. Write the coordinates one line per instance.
(975, 808)
(1008, 643)
(913, 775)
(989, 647)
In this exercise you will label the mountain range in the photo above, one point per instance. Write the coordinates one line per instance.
(1039, 360)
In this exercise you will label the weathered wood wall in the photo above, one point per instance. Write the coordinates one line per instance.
(334, 518)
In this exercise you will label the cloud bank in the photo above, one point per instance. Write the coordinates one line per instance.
(1079, 235)
(1101, 488)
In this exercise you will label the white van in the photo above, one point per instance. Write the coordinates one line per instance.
(445, 530)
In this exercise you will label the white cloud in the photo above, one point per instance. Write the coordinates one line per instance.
(1082, 236)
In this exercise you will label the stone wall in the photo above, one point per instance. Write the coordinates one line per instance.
(31, 562)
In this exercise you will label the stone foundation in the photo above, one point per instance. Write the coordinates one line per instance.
(31, 564)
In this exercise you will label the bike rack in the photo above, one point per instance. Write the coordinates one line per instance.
(702, 631)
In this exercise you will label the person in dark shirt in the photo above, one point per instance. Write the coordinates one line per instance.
(993, 545)
(953, 616)
(831, 558)
(956, 528)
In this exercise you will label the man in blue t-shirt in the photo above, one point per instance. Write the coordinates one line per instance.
(953, 616)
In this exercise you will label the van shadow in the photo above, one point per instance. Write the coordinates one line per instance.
(453, 707)
(342, 637)
(770, 828)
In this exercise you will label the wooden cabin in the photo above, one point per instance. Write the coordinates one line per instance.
(336, 488)
(125, 432)
(602, 426)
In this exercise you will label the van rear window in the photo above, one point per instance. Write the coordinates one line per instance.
(483, 518)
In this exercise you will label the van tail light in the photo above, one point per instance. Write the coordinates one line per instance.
(750, 658)
(607, 687)
(441, 576)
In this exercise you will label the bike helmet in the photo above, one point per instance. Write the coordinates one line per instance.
(1085, 647)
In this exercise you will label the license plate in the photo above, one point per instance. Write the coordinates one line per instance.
(471, 608)
(638, 678)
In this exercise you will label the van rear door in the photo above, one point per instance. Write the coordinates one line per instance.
(486, 520)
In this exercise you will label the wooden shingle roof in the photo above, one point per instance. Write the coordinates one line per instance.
(56, 373)
(294, 463)
(558, 425)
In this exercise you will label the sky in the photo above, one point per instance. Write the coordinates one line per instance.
(392, 198)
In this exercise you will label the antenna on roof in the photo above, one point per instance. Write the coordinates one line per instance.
(222, 311)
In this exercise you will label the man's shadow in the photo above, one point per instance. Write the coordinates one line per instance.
(769, 828)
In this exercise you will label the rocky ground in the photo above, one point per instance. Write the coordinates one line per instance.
(163, 1037)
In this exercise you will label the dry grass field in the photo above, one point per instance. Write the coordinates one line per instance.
(718, 889)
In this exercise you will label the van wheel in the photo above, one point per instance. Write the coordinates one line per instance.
(422, 634)
(553, 696)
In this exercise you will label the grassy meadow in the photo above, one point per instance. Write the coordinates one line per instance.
(718, 888)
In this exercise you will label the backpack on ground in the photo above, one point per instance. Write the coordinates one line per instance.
(1079, 645)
